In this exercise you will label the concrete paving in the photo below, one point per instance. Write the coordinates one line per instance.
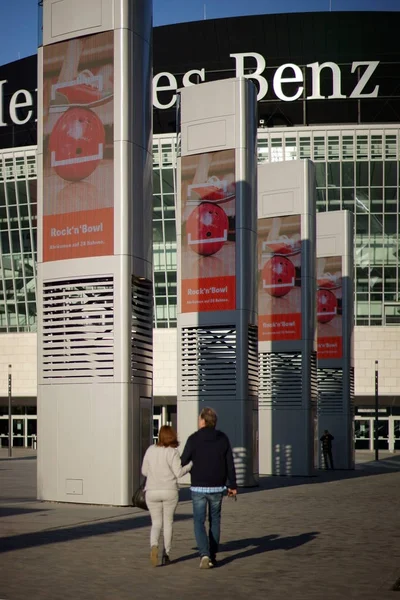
(332, 536)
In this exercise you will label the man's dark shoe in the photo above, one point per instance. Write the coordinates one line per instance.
(213, 563)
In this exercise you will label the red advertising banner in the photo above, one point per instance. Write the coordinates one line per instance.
(329, 307)
(78, 180)
(279, 278)
(208, 232)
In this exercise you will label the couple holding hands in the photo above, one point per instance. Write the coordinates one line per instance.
(208, 457)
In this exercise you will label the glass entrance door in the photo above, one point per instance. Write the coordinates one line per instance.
(157, 422)
(18, 432)
(396, 432)
(383, 434)
(362, 430)
(31, 433)
(4, 432)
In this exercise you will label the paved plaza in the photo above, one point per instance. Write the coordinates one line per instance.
(332, 536)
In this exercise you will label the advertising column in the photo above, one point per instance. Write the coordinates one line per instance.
(78, 152)
(335, 339)
(94, 249)
(279, 285)
(208, 219)
(216, 235)
(286, 317)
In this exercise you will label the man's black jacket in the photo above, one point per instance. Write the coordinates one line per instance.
(211, 453)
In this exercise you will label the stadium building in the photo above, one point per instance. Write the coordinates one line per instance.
(328, 90)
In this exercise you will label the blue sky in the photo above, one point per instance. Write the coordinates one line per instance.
(19, 18)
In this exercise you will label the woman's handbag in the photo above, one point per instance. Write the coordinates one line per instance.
(139, 497)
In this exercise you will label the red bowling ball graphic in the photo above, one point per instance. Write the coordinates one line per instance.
(76, 144)
(326, 306)
(207, 229)
(278, 276)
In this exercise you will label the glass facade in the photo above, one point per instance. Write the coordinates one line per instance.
(356, 168)
(18, 226)
(164, 231)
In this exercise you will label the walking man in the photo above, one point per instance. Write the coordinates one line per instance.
(213, 468)
(326, 440)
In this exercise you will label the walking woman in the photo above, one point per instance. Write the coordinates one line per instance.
(162, 467)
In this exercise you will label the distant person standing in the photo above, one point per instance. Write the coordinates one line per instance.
(212, 474)
(326, 440)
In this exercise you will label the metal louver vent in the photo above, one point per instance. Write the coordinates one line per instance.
(330, 391)
(208, 362)
(253, 361)
(314, 381)
(351, 403)
(142, 330)
(78, 329)
(280, 380)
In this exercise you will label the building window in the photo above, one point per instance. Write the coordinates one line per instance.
(17, 241)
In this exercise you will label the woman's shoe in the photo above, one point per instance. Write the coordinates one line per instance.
(166, 559)
(154, 556)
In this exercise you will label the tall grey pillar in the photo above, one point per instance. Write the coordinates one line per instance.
(335, 300)
(94, 249)
(216, 234)
(286, 317)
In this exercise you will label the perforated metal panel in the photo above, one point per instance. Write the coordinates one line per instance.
(330, 391)
(142, 330)
(78, 329)
(208, 362)
(280, 380)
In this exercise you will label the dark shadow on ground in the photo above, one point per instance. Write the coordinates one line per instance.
(21, 500)
(365, 469)
(252, 546)
(267, 543)
(9, 511)
(272, 482)
(65, 534)
(12, 458)
(388, 464)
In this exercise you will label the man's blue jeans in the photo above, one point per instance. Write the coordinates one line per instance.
(208, 546)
